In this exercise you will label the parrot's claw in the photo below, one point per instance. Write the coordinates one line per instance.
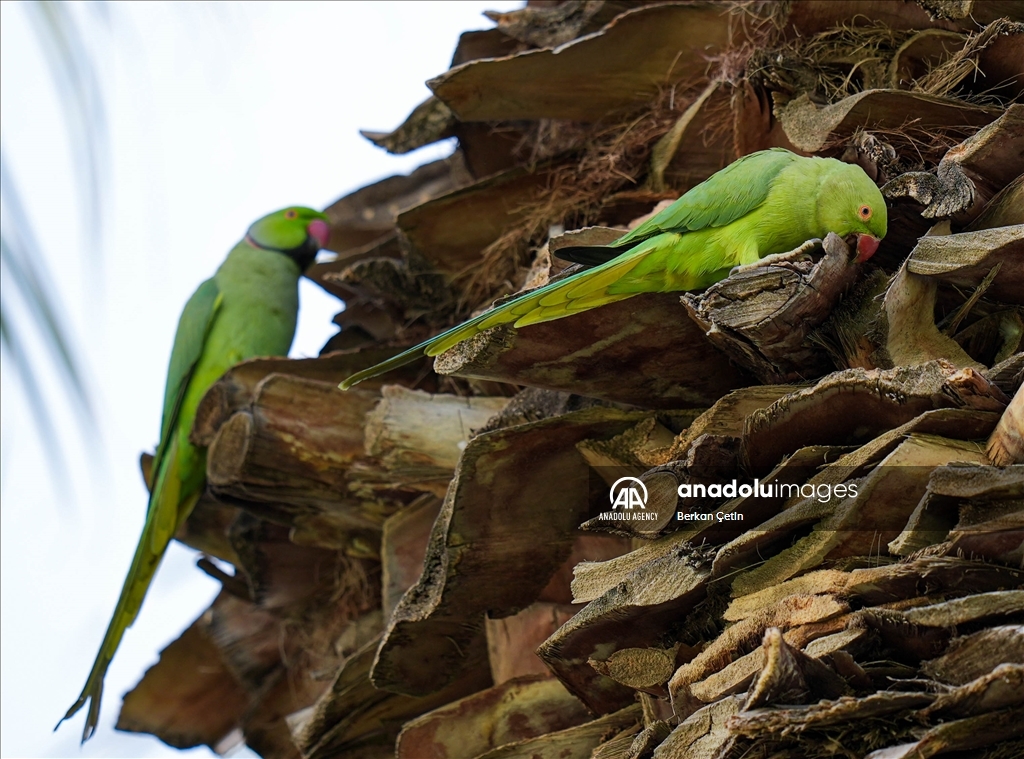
(779, 258)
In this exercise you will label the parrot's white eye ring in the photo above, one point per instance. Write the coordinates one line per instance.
(865, 212)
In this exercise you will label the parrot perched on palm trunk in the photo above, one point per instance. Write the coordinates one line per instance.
(248, 308)
(762, 205)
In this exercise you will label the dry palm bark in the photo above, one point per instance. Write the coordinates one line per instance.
(430, 565)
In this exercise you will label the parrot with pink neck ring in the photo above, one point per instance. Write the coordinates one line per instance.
(750, 213)
(248, 308)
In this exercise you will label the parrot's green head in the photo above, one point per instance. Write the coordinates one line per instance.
(851, 204)
(297, 232)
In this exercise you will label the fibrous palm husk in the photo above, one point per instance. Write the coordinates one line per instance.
(427, 565)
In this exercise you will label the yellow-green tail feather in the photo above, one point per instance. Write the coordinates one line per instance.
(165, 514)
(579, 292)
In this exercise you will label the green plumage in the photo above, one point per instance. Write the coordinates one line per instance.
(765, 203)
(248, 308)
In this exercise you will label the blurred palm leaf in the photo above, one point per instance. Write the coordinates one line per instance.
(24, 269)
(59, 30)
(36, 316)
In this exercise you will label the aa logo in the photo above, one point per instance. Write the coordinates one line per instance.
(628, 492)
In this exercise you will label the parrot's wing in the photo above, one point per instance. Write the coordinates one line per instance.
(193, 328)
(721, 199)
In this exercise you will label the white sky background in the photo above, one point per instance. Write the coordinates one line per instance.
(216, 115)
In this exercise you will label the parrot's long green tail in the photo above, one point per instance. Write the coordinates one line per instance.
(162, 521)
(579, 292)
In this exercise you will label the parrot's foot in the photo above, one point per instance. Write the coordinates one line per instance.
(778, 258)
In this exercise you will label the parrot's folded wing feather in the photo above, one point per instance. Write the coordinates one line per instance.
(189, 340)
(721, 199)
(163, 516)
(725, 197)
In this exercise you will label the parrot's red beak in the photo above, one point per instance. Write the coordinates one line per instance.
(319, 231)
(866, 247)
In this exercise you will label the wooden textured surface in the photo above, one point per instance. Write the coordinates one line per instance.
(811, 127)
(189, 697)
(964, 260)
(591, 76)
(506, 525)
(514, 711)
(308, 454)
(643, 351)
(762, 317)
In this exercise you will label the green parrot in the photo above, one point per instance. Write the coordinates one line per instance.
(762, 205)
(248, 308)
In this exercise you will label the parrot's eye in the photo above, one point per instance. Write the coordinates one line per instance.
(292, 213)
(865, 212)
